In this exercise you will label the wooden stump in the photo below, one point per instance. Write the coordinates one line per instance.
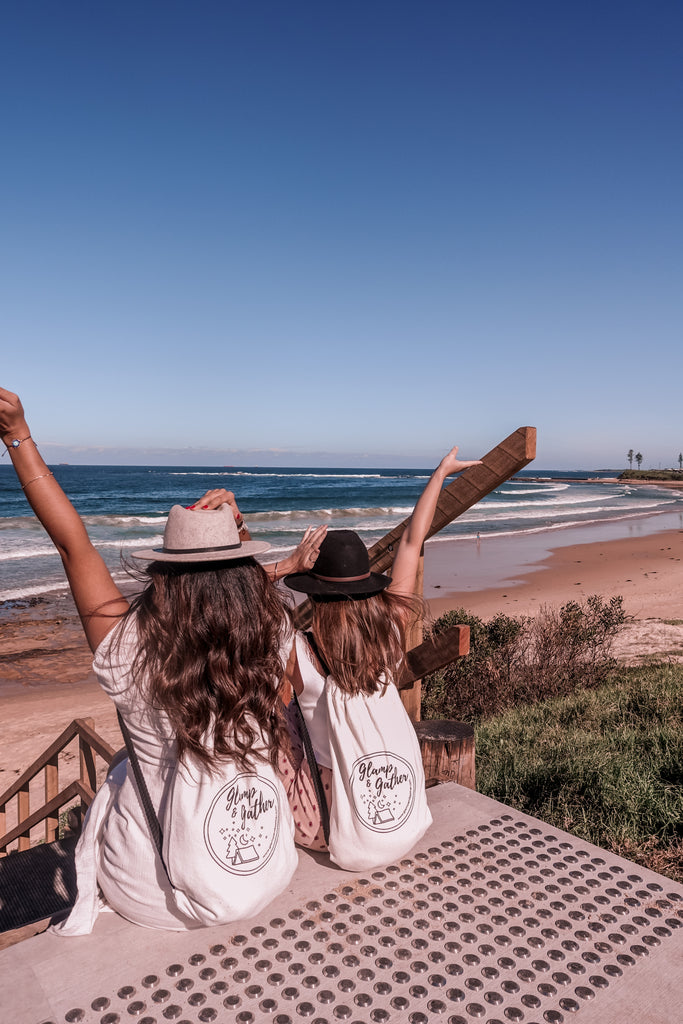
(447, 751)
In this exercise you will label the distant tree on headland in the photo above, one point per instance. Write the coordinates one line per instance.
(680, 461)
(639, 459)
(629, 456)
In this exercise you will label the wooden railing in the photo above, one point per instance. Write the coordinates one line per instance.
(82, 788)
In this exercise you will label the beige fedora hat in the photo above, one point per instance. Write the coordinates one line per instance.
(204, 536)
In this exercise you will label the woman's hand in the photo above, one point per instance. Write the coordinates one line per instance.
(12, 420)
(450, 463)
(302, 558)
(305, 555)
(215, 498)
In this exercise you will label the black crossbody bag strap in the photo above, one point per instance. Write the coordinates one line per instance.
(310, 754)
(145, 800)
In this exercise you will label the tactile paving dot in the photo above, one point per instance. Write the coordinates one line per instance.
(504, 923)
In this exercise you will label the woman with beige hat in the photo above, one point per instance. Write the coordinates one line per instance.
(193, 664)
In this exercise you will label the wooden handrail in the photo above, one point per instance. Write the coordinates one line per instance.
(90, 743)
(79, 727)
(473, 484)
(433, 654)
(73, 790)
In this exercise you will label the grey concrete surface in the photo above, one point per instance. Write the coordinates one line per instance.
(494, 916)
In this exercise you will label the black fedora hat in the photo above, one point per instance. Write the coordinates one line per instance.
(341, 568)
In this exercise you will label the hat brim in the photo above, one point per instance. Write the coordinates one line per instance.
(305, 583)
(245, 550)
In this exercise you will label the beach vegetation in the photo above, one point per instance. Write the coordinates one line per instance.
(604, 764)
(639, 459)
(522, 660)
(629, 455)
(651, 474)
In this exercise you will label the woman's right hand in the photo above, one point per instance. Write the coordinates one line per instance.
(450, 463)
(215, 498)
(306, 554)
(12, 418)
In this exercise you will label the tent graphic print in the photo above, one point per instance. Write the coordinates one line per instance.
(237, 855)
(379, 815)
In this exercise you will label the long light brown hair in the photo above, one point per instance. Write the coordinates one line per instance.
(209, 657)
(362, 640)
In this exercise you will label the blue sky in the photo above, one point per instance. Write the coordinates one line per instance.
(343, 233)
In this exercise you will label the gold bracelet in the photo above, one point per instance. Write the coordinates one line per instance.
(33, 480)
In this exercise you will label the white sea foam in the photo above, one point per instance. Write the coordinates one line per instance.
(540, 489)
(340, 513)
(130, 542)
(124, 520)
(231, 471)
(16, 554)
(33, 590)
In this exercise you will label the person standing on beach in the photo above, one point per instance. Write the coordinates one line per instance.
(193, 665)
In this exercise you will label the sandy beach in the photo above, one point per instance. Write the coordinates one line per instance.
(46, 678)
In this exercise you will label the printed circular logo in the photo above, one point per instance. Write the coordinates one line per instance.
(242, 825)
(382, 790)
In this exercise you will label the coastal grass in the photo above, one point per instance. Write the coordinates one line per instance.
(605, 764)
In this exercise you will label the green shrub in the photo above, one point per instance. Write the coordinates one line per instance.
(520, 660)
(651, 474)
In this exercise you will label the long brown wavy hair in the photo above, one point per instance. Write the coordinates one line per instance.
(209, 657)
(363, 639)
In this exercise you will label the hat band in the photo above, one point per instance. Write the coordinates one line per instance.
(199, 551)
(340, 579)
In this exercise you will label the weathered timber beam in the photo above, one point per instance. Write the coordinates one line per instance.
(498, 465)
(433, 654)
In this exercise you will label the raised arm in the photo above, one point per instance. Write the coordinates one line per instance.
(97, 598)
(407, 560)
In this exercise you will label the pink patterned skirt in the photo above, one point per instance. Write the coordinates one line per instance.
(295, 775)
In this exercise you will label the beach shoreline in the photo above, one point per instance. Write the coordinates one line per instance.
(46, 677)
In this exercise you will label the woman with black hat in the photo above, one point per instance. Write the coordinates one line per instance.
(342, 672)
(193, 665)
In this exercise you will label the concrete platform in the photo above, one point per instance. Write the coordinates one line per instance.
(494, 917)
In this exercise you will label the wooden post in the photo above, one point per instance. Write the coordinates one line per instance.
(87, 757)
(23, 811)
(412, 697)
(51, 790)
(447, 751)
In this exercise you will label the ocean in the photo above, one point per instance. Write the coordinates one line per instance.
(124, 507)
